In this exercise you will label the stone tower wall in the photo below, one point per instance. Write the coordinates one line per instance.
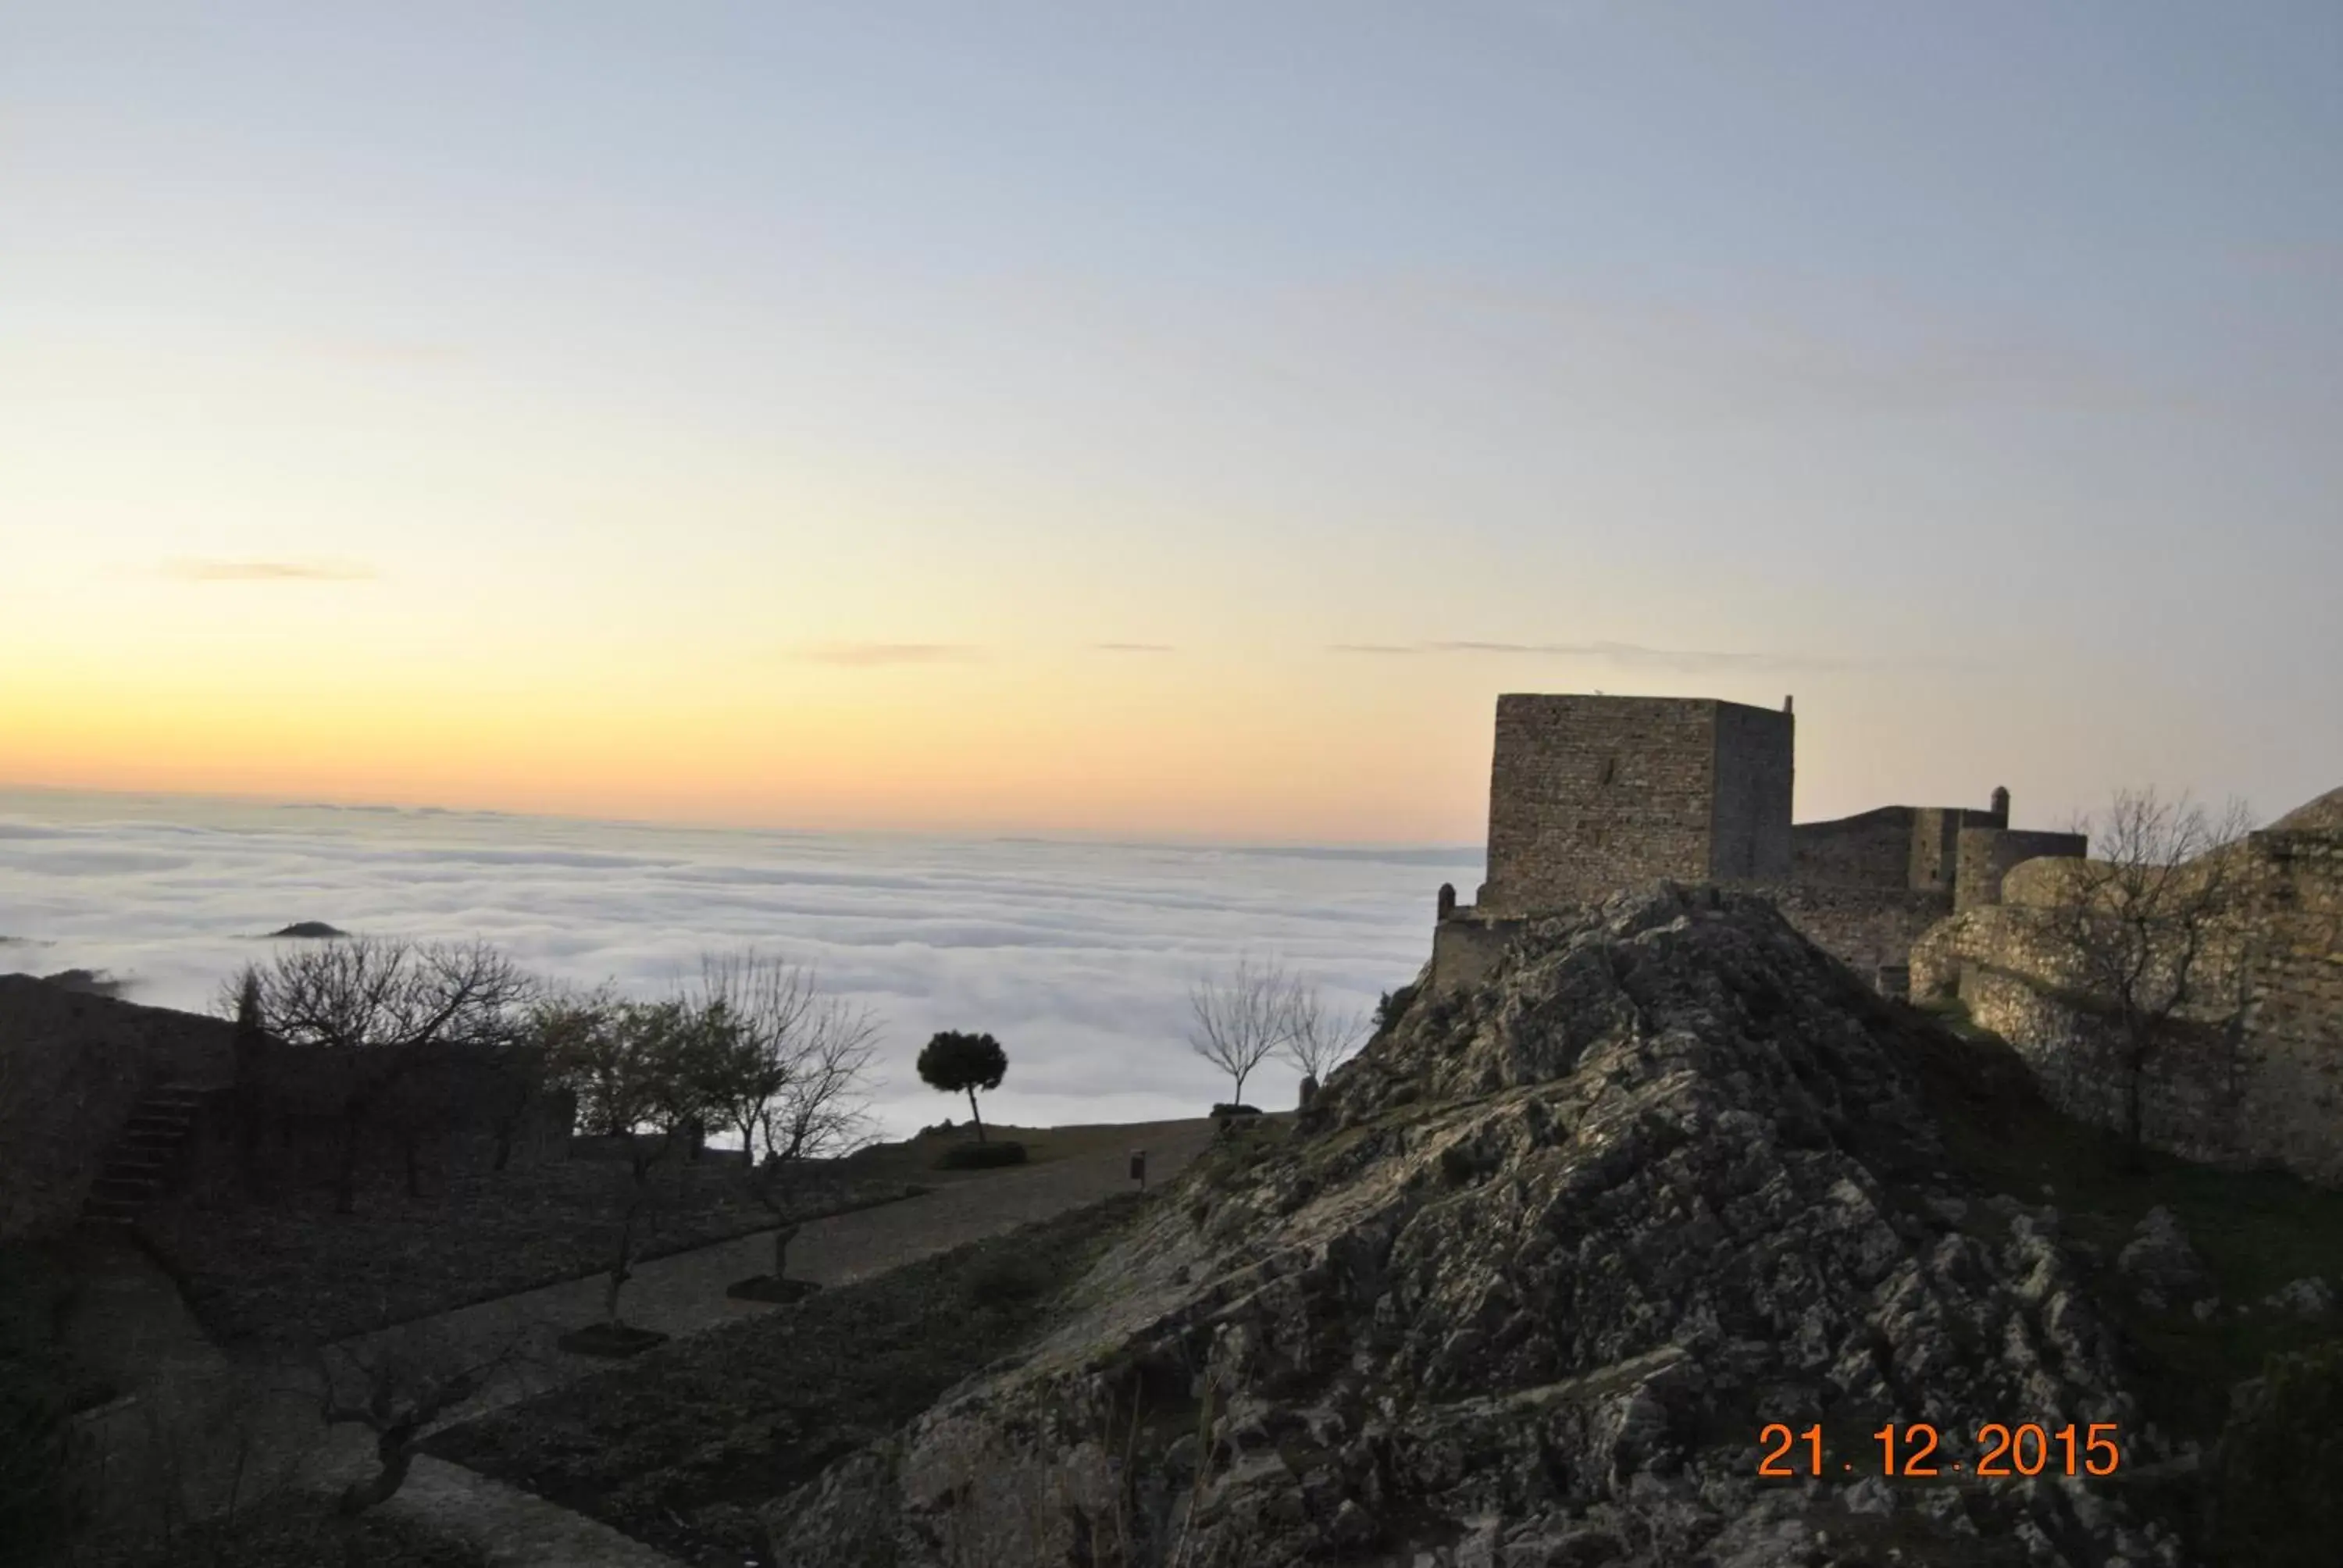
(1986, 855)
(1755, 760)
(1588, 795)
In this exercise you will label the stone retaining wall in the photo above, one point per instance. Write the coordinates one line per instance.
(72, 1065)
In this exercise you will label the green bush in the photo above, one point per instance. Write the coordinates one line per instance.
(2279, 1480)
(981, 1156)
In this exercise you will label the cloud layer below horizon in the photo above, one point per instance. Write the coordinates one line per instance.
(1079, 956)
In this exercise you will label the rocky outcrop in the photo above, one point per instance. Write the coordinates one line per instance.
(1523, 1287)
(2161, 1263)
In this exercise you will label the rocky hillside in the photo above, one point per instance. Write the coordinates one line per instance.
(1524, 1287)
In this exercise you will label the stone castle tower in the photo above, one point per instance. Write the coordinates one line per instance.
(1588, 795)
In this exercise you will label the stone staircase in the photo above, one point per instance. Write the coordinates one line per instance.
(143, 1156)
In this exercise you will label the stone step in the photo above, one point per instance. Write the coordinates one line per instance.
(110, 1209)
(137, 1164)
(157, 1121)
(149, 1140)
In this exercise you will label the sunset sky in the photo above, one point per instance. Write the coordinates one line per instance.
(1174, 420)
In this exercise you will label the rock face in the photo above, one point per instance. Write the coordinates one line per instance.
(1524, 1287)
(2160, 1261)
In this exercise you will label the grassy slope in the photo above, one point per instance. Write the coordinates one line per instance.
(914, 1160)
(2255, 1230)
(678, 1445)
(293, 1269)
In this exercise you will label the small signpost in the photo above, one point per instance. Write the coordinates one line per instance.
(1139, 1168)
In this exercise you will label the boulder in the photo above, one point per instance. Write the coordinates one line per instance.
(2161, 1265)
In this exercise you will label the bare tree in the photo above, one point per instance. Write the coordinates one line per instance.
(2139, 930)
(1317, 1039)
(820, 1111)
(397, 1388)
(1240, 1022)
(769, 1005)
(395, 1009)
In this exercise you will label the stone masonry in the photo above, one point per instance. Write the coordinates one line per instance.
(2254, 1076)
(1591, 795)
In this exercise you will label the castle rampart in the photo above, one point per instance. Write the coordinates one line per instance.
(1984, 856)
(2253, 1075)
(1589, 795)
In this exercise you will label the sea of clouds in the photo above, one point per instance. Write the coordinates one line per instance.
(1078, 957)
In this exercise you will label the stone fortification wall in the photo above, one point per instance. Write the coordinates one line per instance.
(1986, 855)
(1873, 849)
(2254, 1075)
(1932, 856)
(1466, 946)
(1749, 838)
(72, 1065)
(2293, 1017)
(1866, 929)
(1588, 795)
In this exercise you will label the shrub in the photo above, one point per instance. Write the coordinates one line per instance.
(1221, 1112)
(2276, 1505)
(1392, 1008)
(981, 1156)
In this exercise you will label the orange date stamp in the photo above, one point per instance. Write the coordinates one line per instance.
(2014, 1452)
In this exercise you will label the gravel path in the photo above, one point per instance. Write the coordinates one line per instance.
(260, 1422)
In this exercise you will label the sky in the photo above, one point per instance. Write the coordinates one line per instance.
(1078, 957)
(1168, 422)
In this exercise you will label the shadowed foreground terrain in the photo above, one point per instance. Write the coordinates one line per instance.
(1527, 1283)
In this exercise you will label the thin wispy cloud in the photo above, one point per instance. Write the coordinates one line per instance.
(1636, 655)
(1132, 647)
(206, 569)
(869, 655)
(1630, 655)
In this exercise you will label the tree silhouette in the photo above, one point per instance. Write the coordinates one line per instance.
(953, 1063)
